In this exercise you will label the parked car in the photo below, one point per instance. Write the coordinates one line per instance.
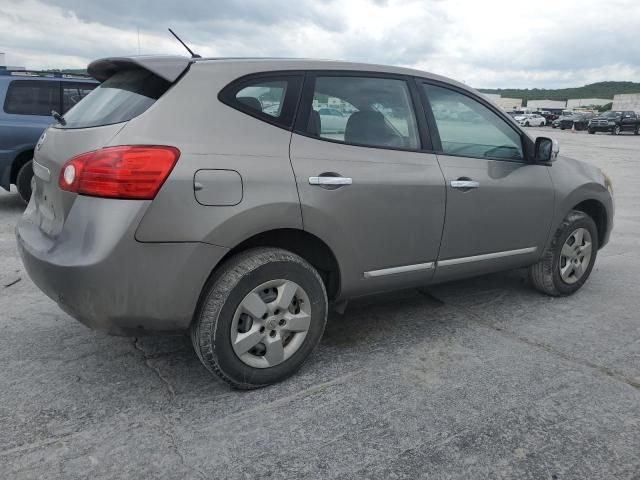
(576, 120)
(181, 205)
(28, 99)
(530, 120)
(548, 117)
(333, 120)
(615, 122)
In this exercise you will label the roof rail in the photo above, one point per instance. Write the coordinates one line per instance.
(36, 73)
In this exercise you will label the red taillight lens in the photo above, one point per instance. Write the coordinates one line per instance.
(134, 172)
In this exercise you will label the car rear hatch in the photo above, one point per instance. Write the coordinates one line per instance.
(130, 85)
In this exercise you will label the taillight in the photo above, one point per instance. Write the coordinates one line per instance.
(133, 172)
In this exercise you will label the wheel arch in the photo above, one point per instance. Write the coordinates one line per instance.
(20, 159)
(598, 212)
(304, 244)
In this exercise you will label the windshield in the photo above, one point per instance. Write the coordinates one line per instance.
(612, 114)
(121, 97)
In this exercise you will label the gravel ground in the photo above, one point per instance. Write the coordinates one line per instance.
(483, 378)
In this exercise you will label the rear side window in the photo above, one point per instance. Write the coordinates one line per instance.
(269, 98)
(72, 93)
(121, 97)
(371, 112)
(32, 97)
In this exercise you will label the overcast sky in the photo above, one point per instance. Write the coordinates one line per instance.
(484, 43)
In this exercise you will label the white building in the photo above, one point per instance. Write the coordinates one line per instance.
(504, 102)
(587, 102)
(627, 101)
(546, 104)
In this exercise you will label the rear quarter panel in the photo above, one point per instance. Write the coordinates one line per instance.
(212, 135)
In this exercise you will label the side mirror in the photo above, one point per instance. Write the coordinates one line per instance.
(546, 150)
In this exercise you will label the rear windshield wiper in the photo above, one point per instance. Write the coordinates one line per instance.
(59, 118)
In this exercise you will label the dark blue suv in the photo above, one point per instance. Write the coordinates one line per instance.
(27, 100)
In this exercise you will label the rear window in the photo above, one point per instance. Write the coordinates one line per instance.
(32, 97)
(121, 97)
(72, 93)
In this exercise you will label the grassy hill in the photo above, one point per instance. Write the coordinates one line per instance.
(594, 90)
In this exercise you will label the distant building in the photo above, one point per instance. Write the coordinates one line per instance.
(504, 102)
(549, 105)
(627, 101)
(3, 63)
(587, 102)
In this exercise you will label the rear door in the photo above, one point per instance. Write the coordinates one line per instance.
(499, 206)
(369, 186)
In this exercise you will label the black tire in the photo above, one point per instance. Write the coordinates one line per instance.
(545, 275)
(23, 181)
(228, 286)
(615, 130)
(637, 130)
(591, 132)
(526, 124)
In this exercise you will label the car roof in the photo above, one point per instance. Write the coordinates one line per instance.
(10, 75)
(274, 63)
(170, 67)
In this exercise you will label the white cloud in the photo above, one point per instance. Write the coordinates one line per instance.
(490, 43)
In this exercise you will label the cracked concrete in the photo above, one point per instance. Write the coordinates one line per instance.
(482, 378)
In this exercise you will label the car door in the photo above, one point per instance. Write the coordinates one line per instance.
(628, 121)
(499, 206)
(374, 192)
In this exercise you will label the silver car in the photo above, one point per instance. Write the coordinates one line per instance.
(207, 195)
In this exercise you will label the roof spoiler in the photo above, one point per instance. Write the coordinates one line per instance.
(169, 67)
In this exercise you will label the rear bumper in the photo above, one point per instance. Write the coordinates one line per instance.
(99, 274)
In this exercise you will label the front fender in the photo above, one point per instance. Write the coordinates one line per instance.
(576, 182)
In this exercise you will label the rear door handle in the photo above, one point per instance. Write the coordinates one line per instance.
(330, 181)
(464, 184)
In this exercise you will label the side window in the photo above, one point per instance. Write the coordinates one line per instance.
(375, 112)
(32, 97)
(270, 98)
(72, 93)
(468, 128)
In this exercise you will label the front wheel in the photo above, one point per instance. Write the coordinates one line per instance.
(591, 132)
(615, 130)
(637, 130)
(23, 181)
(568, 261)
(261, 315)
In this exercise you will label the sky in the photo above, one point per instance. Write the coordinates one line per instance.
(483, 43)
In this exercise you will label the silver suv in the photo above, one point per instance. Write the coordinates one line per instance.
(216, 195)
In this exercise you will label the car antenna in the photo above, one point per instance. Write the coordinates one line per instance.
(193, 55)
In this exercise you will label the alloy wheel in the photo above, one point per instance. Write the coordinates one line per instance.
(575, 256)
(271, 323)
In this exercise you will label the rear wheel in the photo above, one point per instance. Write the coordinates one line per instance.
(261, 315)
(637, 130)
(568, 262)
(23, 181)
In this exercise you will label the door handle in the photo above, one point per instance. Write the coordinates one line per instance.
(463, 184)
(330, 181)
